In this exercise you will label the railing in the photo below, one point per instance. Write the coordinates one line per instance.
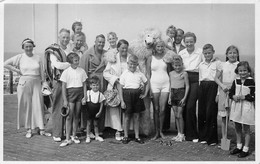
(10, 84)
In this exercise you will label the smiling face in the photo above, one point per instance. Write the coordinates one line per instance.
(190, 43)
(100, 43)
(28, 48)
(179, 37)
(78, 41)
(123, 49)
(75, 62)
(132, 66)
(78, 28)
(94, 87)
(171, 33)
(64, 38)
(112, 40)
(232, 55)
(178, 66)
(243, 72)
(159, 48)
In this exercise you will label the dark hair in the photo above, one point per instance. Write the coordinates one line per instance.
(27, 40)
(94, 80)
(71, 56)
(78, 34)
(120, 42)
(208, 46)
(245, 64)
(100, 36)
(75, 24)
(180, 30)
(190, 34)
(232, 47)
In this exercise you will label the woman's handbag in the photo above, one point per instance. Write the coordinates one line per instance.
(112, 98)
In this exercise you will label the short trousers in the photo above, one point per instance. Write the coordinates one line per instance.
(134, 104)
(75, 94)
(161, 88)
(177, 95)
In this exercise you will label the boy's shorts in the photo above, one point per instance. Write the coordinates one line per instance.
(177, 95)
(75, 94)
(134, 104)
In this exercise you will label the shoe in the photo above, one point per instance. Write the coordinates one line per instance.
(176, 137)
(65, 143)
(180, 138)
(195, 140)
(203, 142)
(219, 146)
(213, 144)
(98, 138)
(43, 133)
(28, 135)
(91, 135)
(125, 140)
(235, 151)
(75, 139)
(118, 136)
(138, 140)
(56, 139)
(242, 154)
(88, 140)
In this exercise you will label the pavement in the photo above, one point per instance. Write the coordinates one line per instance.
(40, 148)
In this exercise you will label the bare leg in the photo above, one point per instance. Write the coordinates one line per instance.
(76, 116)
(96, 128)
(69, 120)
(238, 128)
(88, 127)
(155, 101)
(126, 124)
(163, 100)
(223, 127)
(136, 124)
(247, 135)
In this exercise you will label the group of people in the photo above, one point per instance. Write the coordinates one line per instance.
(80, 77)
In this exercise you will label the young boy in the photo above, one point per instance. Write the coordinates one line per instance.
(132, 103)
(207, 110)
(94, 100)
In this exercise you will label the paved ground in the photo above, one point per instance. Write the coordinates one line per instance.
(40, 148)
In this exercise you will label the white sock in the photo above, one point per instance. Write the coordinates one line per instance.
(239, 145)
(245, 149)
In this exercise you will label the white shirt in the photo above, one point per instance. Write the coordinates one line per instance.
(73, 77)
(207, 71)
(94, 96)
(132, 80)
(228, 74)
(58, 64)
(177, 46)
(191, 61)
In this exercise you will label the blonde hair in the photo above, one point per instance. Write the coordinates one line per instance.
(170, 27)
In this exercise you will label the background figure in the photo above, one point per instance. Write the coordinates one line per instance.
(177, 45)
(77, 44)
(30, 99)
(224, 78)
(55, 57)
(170, 33)
(112, 40)
(192, 57)
(112, 73)
(77, 27)
(159, 85)
(92, 61)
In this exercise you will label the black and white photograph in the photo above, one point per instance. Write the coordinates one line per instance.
(129, 81)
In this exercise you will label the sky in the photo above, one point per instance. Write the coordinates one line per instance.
(218, 24)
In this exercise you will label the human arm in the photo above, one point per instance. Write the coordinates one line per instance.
(58, 64)
(232, 92)
(123, 106)
(100, 109)
(187, 87)
(84, 99)
(64, 93)
(170, 93)
(109, 74)
(13, 63)
(251, 96)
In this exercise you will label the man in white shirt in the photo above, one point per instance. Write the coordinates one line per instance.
(56, 54)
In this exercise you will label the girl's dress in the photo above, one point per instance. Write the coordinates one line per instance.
(243, 111)
(228, 76)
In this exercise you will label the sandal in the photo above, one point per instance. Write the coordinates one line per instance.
(43, 133)
(125, 140)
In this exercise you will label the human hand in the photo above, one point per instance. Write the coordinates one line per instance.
(65, 103)
(123, 106)
(142, 96)
(225, 88)
(169, 101)
(98, 114)
(19, 72)
(83, 101)
(235, 98)
(182, 102)
(241, 97)
(217, 98)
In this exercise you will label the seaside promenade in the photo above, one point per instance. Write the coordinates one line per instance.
(40, 148)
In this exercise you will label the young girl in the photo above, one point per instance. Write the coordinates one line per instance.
(224, 79)
(94, 100)
(112, 40)
(179, 90)
(73, 84)
(77, 27)
(242, 111)
(170, 32)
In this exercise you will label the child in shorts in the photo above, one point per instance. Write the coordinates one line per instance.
(179, 83)
(73, 86)
(132, 80)
(94, 101)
